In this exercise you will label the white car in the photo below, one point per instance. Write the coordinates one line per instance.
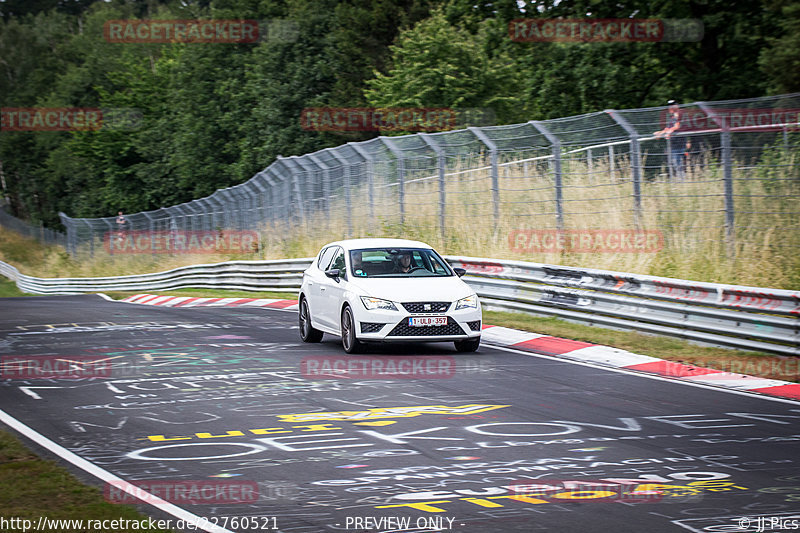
(387, 290)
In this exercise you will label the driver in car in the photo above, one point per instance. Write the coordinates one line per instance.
(403, 263)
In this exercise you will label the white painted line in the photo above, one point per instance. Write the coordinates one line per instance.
(108, 477)
(651, 376)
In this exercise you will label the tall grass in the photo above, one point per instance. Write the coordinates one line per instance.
(690, 213)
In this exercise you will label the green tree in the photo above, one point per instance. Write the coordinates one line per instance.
(436, 64)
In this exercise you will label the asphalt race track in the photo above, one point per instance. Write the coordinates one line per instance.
(225, 414)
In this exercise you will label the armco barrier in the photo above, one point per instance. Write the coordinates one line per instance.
(749, 318)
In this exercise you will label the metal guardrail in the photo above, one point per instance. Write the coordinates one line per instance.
(278, 275)
(749, 318)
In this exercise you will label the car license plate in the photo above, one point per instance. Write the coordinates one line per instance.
(427, 321)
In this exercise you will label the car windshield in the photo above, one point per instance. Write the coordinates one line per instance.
(397, 263)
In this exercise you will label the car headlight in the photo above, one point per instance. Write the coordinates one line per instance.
(377, 303)
(468, 302)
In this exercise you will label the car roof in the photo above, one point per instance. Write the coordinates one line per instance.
(353, 244)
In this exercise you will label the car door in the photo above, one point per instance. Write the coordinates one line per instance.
(332, 292)
(314, 282)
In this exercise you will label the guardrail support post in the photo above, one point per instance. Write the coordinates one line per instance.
(555, 144)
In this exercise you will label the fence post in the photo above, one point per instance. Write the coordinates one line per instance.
(555, 143)
(67, 223)
(589, 163)
(270, 190)
(611, 162)
(401, 175)
(220, 208)
(291, 167)
(440, 163)
(326, 184)
(370, 172)
(308, 170)
(207, 221)
(477, 132)
(636, 163)
(278, 190)
(727, 175)
(228, 205)
(261, 205)
(347, 188)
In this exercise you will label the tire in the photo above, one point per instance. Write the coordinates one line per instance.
(350, 342)
(307, 332)
(468, 345)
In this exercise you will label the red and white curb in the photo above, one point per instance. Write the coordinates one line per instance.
(543, 345)
(186, 301)
(608, 356)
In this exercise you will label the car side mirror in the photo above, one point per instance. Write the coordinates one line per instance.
(460, 271)
(333, 273)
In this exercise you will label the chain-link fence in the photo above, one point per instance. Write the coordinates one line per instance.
(728, 174)
(40, 233)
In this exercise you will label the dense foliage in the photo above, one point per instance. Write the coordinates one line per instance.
(214, 114)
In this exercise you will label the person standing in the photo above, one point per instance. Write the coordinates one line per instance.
(676, 149)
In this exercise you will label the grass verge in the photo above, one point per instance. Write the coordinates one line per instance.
(31, 487)
(8, 289)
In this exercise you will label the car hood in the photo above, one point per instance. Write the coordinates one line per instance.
(440, 289)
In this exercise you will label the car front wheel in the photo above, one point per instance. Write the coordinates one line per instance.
(307, 332)
(468, 345)
(349, 341)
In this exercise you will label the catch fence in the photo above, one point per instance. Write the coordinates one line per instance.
(730, 174)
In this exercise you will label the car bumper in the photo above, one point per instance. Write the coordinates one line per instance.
(392, 326)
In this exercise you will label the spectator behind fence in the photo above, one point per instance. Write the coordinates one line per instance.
(676, 148)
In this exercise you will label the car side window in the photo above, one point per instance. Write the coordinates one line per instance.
(437, 267)
(325, 257)
(338, 260)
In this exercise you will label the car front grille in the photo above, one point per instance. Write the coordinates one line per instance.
(474, 325)
(371, 327)
(426, 307)
(404, 330)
